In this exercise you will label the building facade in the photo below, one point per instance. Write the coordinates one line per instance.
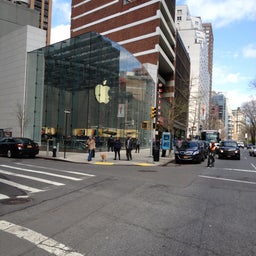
(147, 30)
(87, 86)
(13, 66)
(239, 125)
(17, 13)
(194, 38)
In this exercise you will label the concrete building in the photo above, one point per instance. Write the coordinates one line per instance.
(207, 27)
(147, 30)
(13, 76)
(239, 125)
(17, 13)
(195, 40)
(224, 115)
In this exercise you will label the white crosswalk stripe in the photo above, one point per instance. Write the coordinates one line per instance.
(32, 172)
(3, 196)
(59, 170)
(32, 178)
(20, 186)
(41, 172)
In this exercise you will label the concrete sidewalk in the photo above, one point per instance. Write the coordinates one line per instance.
(142, 158)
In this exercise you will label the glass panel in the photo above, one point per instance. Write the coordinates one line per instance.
(104, 88)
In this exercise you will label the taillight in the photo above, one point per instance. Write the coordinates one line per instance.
(19, 146)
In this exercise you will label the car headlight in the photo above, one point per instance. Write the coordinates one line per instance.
(221, 150)
(196, 152)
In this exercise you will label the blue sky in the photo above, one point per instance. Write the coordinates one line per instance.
(234, 23)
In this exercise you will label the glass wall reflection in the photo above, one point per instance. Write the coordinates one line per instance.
(87, 86)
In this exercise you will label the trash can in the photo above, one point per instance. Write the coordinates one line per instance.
(156, 154)
(54, 150)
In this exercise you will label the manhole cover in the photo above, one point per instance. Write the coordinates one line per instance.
(16, 200)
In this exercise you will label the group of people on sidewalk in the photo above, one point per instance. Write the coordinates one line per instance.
(114, 145)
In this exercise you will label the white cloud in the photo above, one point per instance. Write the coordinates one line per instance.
(237, 98)
(249, 51)
(223, 76)
(222, 12)
(60, 33)
(61, 11)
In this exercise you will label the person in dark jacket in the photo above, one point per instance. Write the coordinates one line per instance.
(111, 143)
(117, 148)
(128, 147)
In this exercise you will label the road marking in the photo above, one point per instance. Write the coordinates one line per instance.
(45, 173)
(17, 185)
(253, 166)
(2, 196)
(104, 163)
(224, 179)
(32, 178)
(239, 170)
(54, 169)
(41, 241)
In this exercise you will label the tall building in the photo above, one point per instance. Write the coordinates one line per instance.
(195, 40)
(239, 125)
(17, 13)
(207, 27)
(224, 115)
(44, 7)
(146, 28)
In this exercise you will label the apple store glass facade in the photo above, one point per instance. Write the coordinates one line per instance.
(87, 86)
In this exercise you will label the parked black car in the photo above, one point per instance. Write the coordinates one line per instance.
(189, 151)
(11, 147)
(229, 149)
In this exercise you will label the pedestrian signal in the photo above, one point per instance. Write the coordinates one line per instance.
(153, 112)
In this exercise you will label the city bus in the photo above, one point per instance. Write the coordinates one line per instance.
(210, 135)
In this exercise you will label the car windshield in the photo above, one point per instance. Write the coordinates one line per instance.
(229, 144)
(189, 145)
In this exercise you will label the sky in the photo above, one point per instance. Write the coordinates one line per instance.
(234, 31)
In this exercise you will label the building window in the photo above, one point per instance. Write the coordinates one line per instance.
(127, 1)
(179, 18)
(179, 12)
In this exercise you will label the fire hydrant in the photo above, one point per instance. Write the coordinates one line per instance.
(54, 150)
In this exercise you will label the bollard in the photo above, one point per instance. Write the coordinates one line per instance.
(54, 150)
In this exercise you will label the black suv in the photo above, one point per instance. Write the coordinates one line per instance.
(229, 149)
(190, 151)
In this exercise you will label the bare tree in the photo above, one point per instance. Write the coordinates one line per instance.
(22, 119)
(249, 110)
(253, 84)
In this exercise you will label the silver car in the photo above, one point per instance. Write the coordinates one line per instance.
(252, 150)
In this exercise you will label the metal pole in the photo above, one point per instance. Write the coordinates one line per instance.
(66, 124)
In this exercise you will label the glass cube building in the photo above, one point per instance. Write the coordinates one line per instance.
(87, 86)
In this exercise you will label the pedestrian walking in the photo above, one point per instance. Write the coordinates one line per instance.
(91, 146)
(137, 146)
(128, 147)
(117, 148)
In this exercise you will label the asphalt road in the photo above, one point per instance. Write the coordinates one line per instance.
(57, 208)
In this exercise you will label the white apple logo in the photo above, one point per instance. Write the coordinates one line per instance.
(101, 92)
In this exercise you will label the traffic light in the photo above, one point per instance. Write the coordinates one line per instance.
(153, 112)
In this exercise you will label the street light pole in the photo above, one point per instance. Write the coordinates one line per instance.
(66, 111)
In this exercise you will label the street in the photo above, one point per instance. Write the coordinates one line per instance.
(58, 208)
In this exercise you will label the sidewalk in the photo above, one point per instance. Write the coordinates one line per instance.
(138, 159)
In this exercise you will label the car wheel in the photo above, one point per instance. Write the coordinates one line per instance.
(9, 153)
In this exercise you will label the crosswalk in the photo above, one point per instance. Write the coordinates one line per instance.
(20, 176)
